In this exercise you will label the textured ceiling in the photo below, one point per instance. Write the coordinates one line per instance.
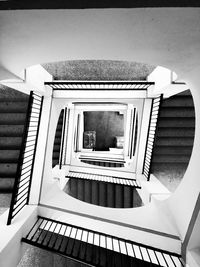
(98, 70)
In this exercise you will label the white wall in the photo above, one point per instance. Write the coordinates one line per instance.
(10, 249)
(168, 37)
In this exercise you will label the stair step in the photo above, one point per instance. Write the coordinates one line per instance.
(174, 141)
(6, 185)
(102, 194)
(176, 132)
(9, 156)
(57, 141)
(174, 122)
(5, 97)
(87, 191)
(56, 148)
(178, 102)
(8, 170)
(95, 193)
(119, 196)
(12, 143)
(184, 93)
(12, 118)
(13, 107)
(165, 167)
(11, 130)
(111, 196)
(176, 150)
(58, 134)
(12, 94)
(171, 158)
(56, 155)
(177, 112)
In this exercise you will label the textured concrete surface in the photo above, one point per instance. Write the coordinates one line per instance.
(107, 125)
(170, 178)
(6, 92)
(4, 202)
(36, 257)
(98, 70)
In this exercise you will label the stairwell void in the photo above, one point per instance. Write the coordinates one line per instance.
(98, 192)
(170, 157)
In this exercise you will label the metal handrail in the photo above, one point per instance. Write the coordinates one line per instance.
(99, 85)
(61, 237)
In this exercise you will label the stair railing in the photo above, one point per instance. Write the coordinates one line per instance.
(63, 147)
(96, 248)
(62, 140)
(151, 135)
(100, 85)
(22, 184)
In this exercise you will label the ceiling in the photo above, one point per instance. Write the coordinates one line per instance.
(95, 70)
(80, 4)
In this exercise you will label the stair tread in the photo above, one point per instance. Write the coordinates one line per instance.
(177, 112)
(174, 122)
(8, 169)
(12, 115)
(176, 132)
(12, 107)
(171, 158)
(176, 103)
(6, 184)
(8, 143)
(170, 150)
(9, 155)
(11, 130)
(174, 141)
(4, 99)
(184, 93)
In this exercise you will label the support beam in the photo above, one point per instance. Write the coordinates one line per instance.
(32, 80)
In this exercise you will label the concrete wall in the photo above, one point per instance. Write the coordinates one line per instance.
(107, 124)
(167, 37)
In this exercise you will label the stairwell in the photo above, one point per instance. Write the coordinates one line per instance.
(96, 192)
(13, 107)
(174, 140)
